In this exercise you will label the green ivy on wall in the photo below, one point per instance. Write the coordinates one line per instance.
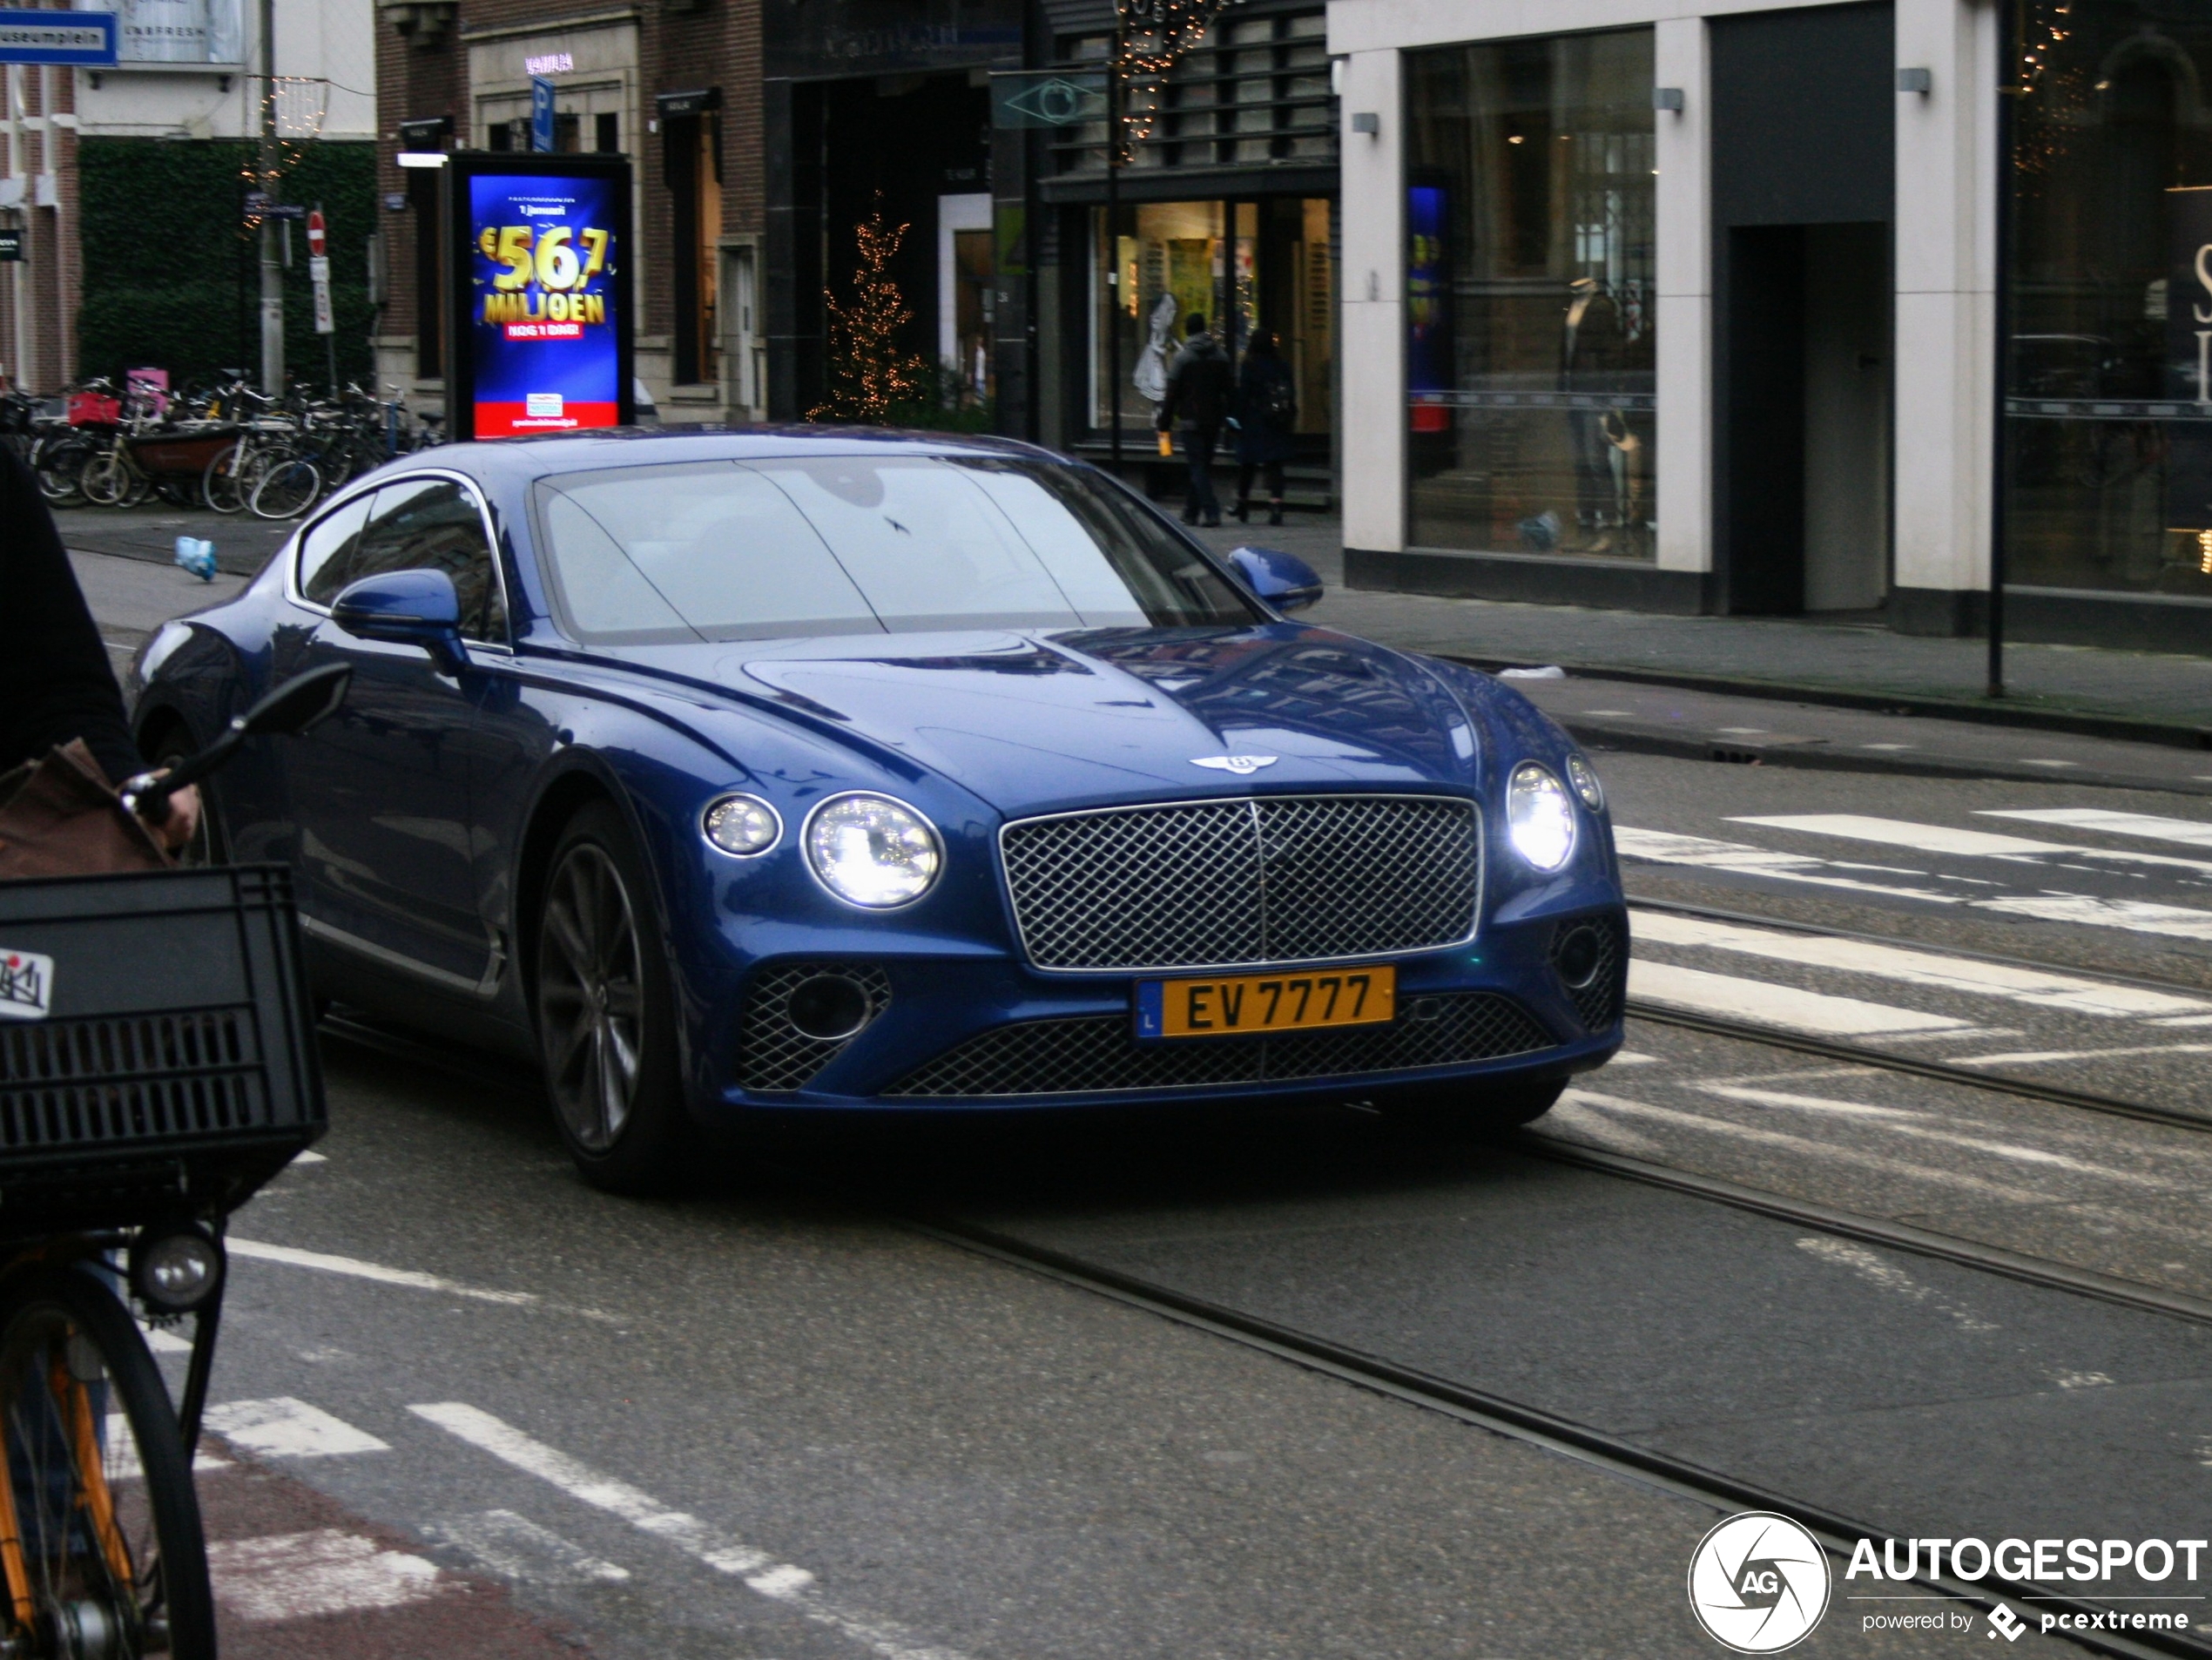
(172, 275)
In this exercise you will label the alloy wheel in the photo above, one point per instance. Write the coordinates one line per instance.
(590, 996)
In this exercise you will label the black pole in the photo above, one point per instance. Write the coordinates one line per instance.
(1114, 245)
(2008, 94)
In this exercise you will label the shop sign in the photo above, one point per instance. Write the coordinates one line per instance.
(540, 307)
(1047, 97)
(10, 245)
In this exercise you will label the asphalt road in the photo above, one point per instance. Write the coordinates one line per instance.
(770, 1419)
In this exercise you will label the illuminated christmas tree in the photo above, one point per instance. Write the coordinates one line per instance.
(869, 375)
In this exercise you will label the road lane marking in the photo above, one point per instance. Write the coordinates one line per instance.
(2135, 917)
(2150, 826)
(284, 1427)
(2040, 987)
(120, 1458)
(514, 1547)
(2042, 1057)
(760, 1572)
(298, 1575)
(353, 1267)
(1900, 1122)
(1663, 847)
(1942, 838)
(1879, 1271)
(1733, 998)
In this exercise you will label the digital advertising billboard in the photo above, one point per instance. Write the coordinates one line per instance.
(537, 252)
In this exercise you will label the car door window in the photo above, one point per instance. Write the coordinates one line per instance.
(327, 552)
(435, 524)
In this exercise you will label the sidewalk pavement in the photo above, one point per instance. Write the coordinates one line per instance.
(2053, 687)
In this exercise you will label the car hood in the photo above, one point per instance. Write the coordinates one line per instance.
(1035, 721)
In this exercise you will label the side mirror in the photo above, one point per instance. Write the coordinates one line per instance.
(1284, 580)
(407, 608)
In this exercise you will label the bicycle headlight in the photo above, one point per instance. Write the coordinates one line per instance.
(871, 850)
(1539, 818)
(176, 1269)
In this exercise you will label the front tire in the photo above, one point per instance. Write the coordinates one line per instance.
(604, 1009)
(111, 1556)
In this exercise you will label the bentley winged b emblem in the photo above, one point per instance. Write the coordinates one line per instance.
(1242, 765)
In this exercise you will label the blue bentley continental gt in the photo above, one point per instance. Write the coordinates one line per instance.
(844, 770)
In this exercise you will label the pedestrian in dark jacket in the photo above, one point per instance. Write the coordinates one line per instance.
(1266, 415)
(1197, 404)
(55, 683)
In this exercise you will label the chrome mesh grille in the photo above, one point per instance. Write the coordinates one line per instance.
(1099, 1053)
(1271, 879)
(773, 1055)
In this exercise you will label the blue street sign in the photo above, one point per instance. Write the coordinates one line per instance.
(542, 113)
(56, 37)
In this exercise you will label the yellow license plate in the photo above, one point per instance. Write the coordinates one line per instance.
(1243, 1004)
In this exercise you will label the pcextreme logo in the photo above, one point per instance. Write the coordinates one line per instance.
(1758, 1583)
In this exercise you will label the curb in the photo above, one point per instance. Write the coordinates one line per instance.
(1818, 758)
(2124, 728)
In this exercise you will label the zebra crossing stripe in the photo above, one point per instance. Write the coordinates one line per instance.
(2038, 987)
(2188, 832)
(1731, 998)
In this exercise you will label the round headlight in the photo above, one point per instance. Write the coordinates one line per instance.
(1539, 818)
(872, 851)
(1580, 774)
(741, 825)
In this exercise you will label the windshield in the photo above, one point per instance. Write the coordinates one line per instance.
(724, 551)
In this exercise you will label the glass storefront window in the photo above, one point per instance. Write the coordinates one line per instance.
(1529, 296)
(1244, 265)
(2108, 420)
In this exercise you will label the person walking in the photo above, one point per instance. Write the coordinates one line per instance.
(1197, 404)
(1266, 414)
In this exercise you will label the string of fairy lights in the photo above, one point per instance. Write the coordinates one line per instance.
(1153, 37)
(292, 108)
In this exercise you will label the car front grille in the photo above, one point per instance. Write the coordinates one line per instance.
(1223, 884)
(1100, 1055)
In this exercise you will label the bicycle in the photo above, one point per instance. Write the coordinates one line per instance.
(101, 1547)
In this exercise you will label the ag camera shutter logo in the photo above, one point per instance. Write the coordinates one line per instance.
(1758, 1583)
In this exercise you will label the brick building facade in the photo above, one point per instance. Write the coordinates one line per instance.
(673, 83)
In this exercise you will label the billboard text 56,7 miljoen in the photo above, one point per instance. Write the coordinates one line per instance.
(543, 341)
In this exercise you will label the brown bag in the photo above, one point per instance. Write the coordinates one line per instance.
(59, 817)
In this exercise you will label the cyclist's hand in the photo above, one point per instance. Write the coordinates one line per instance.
(184, 818)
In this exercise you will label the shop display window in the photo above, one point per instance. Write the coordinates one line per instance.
(1529, 296)
(1244, 265)
(2109, 414)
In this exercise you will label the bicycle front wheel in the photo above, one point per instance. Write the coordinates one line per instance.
(100, 1544)
(104, 479)
(286, 491)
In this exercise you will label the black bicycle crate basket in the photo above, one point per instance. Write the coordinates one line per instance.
(156, 1048)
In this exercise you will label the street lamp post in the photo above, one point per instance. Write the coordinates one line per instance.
(272, 270)
(2010, 91)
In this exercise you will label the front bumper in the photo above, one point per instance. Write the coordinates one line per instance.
(971, 1032)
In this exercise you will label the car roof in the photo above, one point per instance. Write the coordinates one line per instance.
(515, 460)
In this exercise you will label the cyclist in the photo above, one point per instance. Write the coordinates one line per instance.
(55, 683)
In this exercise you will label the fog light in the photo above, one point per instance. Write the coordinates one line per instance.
(1577, 957)
(177, 1270)
(828, 1008)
